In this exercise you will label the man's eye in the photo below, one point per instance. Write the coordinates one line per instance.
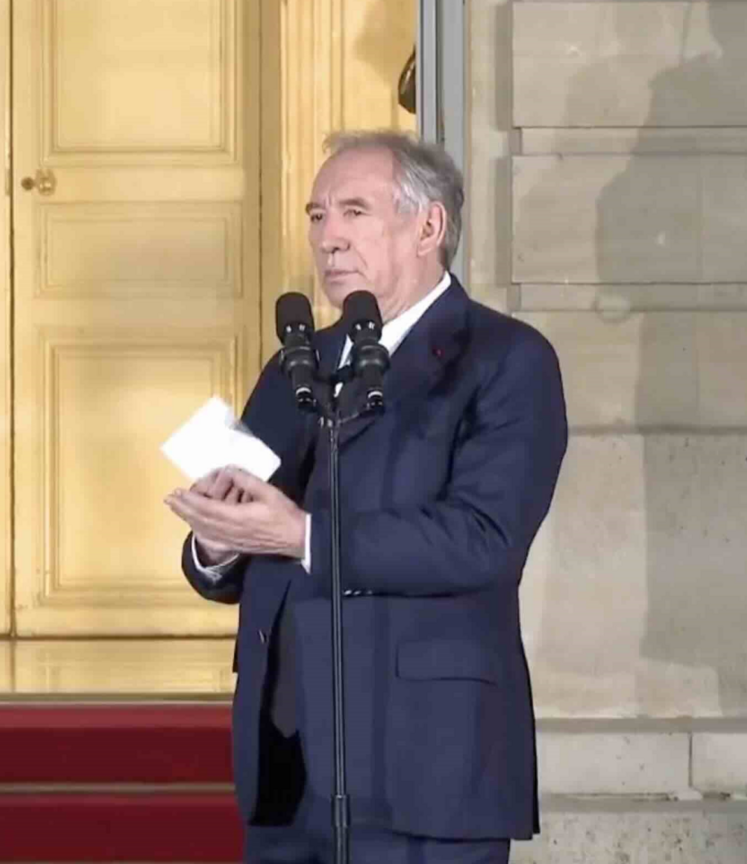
(354, 211)
(315, 217)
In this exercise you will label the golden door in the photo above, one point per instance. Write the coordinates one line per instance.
(136, 287)
(142, 135)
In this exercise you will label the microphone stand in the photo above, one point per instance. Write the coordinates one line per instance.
(330, 416)
(340, 797)
(321, 398)
(330, 419)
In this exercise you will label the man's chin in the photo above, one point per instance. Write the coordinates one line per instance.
(338, 286)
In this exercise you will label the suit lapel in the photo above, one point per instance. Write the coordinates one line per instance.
(418, 363)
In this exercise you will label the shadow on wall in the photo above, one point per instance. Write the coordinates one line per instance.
(690, 602)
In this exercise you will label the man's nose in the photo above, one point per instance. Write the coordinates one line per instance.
(332, 238)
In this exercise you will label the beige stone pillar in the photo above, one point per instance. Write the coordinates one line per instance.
(609, 209)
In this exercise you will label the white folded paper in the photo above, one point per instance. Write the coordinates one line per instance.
(212, 438)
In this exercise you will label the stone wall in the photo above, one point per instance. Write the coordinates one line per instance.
(609, 209)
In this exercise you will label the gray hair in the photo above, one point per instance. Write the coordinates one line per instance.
(424, 173)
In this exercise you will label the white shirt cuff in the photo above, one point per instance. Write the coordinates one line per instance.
(214, 571)
(306, 562)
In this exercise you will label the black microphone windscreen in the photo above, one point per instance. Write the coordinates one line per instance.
(292, 308)
(361, 306)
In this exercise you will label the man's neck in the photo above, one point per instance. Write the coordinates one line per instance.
(425, 286)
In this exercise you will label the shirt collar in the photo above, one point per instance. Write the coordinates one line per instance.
(393, 332)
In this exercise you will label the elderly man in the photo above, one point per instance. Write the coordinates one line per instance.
(441, 498)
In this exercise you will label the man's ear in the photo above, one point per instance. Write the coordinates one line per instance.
(433, 228)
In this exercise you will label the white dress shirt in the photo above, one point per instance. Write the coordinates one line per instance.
(392, 335)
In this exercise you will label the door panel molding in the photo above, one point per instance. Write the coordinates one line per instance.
(141, 573)
(110, 236)
(78, 125)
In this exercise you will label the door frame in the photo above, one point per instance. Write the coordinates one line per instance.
(443, 96)
(6, 344)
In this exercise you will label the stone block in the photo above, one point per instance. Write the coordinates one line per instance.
(624, 763)
(490, 63)
(639, 219)
(489, 176)
(490, 228)
(630, 64)
(659, 836)
(720, 762)
(634, 140)
(607, 219)
(610, 300)
(650, 369)
(634, 596)
(724, 206)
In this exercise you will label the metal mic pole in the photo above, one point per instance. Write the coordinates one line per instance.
(295, 325)
(340, 798)
(325, 403)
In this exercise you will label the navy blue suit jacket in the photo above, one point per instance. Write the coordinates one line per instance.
(441, 498)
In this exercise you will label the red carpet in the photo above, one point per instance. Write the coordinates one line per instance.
(115, 744)
(150, 745)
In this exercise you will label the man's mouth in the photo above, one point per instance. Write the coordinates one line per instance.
(335, 273)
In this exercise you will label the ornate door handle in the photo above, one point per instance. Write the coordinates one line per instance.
(44, 182)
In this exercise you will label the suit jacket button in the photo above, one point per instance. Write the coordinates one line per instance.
(262, 636)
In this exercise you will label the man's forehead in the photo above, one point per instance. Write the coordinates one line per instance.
(355, 174)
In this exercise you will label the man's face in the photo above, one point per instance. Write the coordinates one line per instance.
(359, 239)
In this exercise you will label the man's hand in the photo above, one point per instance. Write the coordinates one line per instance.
(252, 517)
(217, 485)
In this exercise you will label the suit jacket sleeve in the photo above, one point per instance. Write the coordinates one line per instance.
(224, 589)
(479, 531)
(271, 395)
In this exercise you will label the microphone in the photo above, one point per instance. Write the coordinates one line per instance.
(298, 359)
(369, 358)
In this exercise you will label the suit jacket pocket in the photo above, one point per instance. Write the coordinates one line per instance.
(447, 659)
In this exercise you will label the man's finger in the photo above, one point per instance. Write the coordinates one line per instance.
(234, 495)
(196, 509)
(249, 484)
(216, 484)
(203, 484)
(222, 485)
(207, 530)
